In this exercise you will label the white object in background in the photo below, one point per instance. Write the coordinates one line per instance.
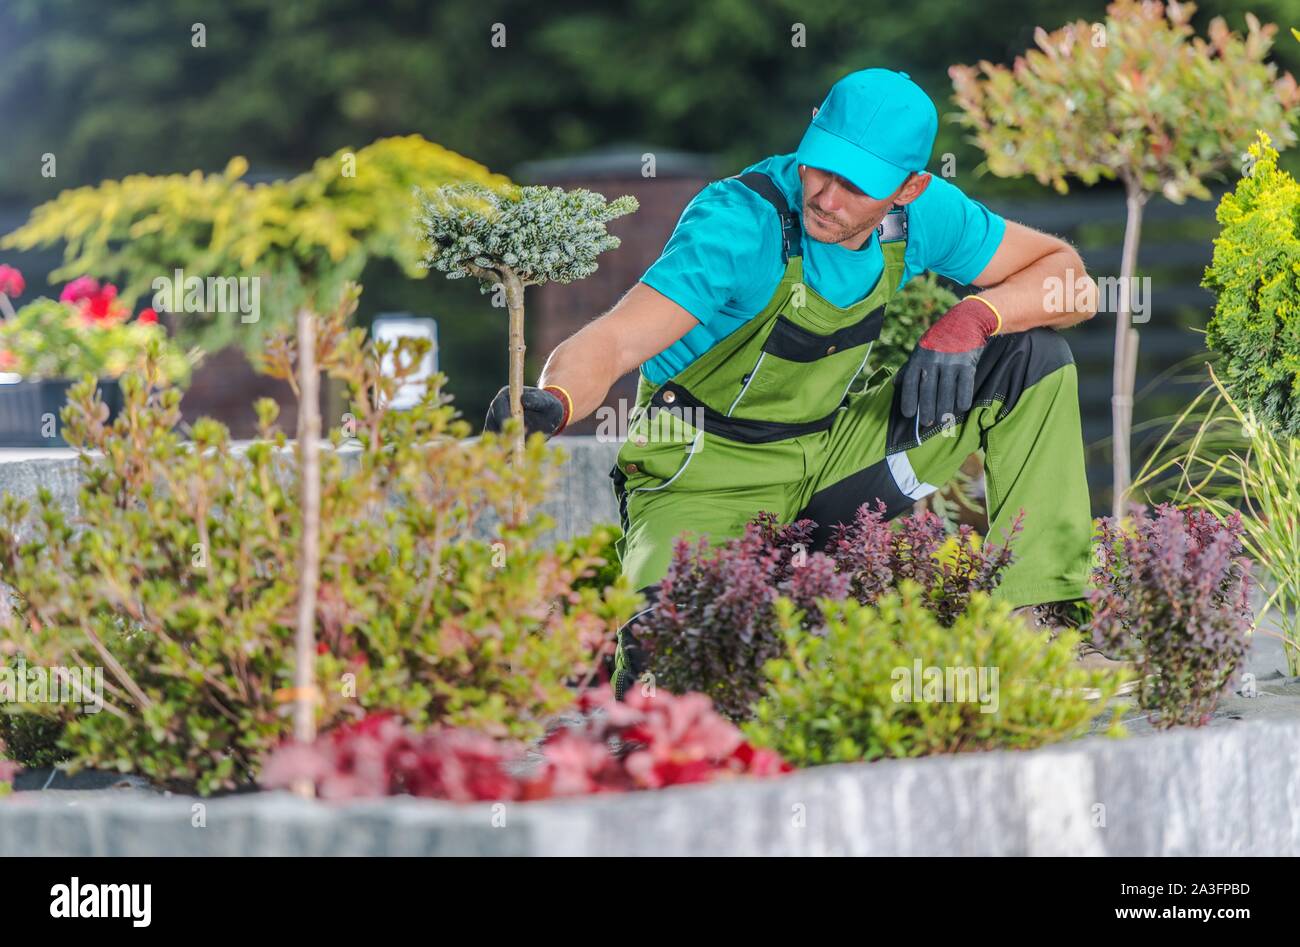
(390, 329)
(10, 378)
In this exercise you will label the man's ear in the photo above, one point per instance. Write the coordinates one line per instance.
(912, 188)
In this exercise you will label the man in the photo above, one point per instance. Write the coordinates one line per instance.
(753, 336)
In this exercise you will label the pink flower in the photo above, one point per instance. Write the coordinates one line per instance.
(11, 281)
(80, 288)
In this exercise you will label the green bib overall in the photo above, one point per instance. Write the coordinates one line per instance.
(785, 415)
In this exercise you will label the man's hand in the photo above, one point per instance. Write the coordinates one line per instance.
(939, 378)
(545, 410)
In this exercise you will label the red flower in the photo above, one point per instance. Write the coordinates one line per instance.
(11, 281)
(8, 360)
(97, 304)
(147, 316)
(322, 648)
(103, 307)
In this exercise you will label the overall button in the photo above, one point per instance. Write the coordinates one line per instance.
(831, 350)
(641, 441)
(669, 397)
(632, 468)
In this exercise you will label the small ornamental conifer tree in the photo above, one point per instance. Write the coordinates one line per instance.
(513, 238)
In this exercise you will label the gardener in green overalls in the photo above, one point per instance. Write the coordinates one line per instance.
(753, 334)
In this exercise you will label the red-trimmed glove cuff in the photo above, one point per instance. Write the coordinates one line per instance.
(566, 400)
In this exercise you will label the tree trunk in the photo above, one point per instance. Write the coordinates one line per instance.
(304, 710)
(515, 305)
(1124, 377)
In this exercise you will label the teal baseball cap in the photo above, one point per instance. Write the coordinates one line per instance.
(875, 127)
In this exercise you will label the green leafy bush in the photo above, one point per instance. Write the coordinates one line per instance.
(891, 680)
(30, 739)
(179, 576)
(600, 538)
(1256, 322)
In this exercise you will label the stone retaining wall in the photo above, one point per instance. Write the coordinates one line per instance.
(1231, 790)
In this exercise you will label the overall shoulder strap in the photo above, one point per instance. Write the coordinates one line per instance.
(762, 185)
(894, 227)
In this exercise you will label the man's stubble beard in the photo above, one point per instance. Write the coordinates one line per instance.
(841, 232)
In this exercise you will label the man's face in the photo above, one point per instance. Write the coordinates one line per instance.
(834, 211)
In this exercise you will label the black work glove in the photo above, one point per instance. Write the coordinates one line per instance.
(937, 385)
(544, 411)
(938, 380)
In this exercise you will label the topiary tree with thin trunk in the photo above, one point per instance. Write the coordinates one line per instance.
(509, 239)
(1139, 98)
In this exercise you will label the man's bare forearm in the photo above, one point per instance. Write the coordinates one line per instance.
(1026, 302)
(585, 366)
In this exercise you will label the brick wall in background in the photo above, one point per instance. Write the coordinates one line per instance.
(557, 311)
(226, 387)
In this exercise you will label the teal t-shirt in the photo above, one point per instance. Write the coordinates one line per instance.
(723, 261)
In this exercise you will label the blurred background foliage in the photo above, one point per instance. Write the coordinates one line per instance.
(112, 88)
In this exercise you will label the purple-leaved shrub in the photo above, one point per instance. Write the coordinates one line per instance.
(714, 627)
(1171, 592)
(878, 555)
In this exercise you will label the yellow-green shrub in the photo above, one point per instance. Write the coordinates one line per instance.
(1256, 322)
(304, 237)
(836, 695)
